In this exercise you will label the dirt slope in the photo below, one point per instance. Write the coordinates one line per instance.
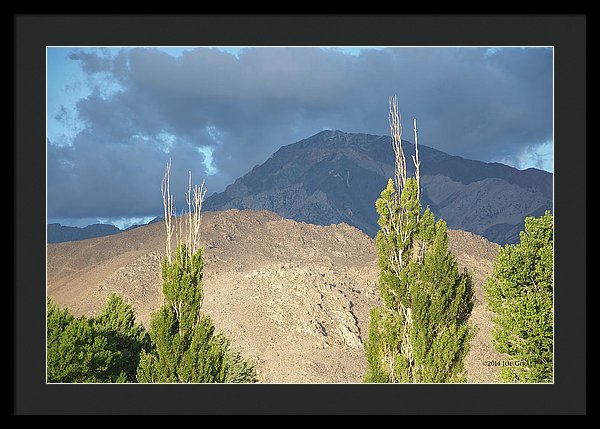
(293, 297)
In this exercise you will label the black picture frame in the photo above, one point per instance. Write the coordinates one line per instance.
(32, 33)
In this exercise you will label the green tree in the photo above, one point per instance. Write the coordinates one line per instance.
(421, 332)
(117, 324)
(77, 352)
(186, 347)
(520, 293)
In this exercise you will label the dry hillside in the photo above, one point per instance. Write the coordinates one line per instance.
(293, 297)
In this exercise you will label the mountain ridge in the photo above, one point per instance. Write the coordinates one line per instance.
(57, 233)
(335, 177)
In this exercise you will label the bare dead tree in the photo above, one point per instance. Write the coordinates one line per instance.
(195, 198)
(165, 187)
(396, 257)
(396, 133)
(187, 226)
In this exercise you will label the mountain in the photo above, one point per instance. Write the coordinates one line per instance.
(292, 297)
(335, 177)
(58, 233)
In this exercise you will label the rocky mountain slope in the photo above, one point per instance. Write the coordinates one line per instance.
(293, 297)
(335, 177)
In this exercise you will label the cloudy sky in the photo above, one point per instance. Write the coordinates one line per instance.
(116, 115)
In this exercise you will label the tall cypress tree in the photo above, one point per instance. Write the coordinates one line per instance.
(421, 333)
(187, 348)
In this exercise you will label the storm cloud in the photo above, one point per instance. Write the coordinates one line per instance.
(219, 114)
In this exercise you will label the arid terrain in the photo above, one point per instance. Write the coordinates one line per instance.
(292, 297)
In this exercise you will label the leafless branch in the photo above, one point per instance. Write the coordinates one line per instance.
(416, 161)
(165, 188)
(194, 199)
(198, 198)
(396, 133)
(187, 226)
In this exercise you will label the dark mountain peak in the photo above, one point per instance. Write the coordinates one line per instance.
(335, 177)
(332, 139)
(328, 134)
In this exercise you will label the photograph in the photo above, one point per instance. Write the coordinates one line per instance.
(300, 214)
